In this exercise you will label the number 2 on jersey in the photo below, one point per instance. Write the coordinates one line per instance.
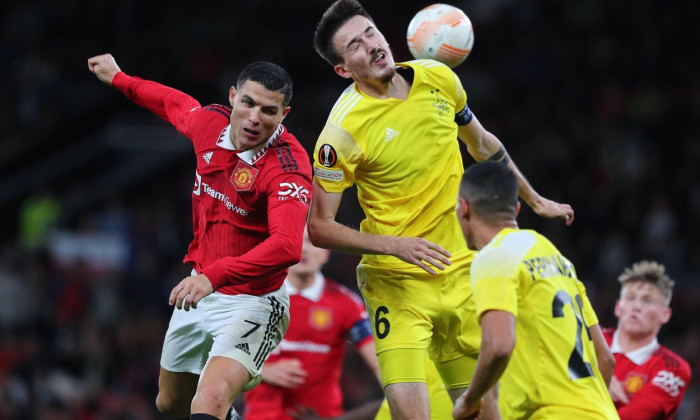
(578, 368)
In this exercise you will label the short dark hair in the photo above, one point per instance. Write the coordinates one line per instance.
(271, 76)
(340, 12)
(491, 190)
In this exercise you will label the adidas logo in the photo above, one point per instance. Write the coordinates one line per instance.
(207, 156)
(243, 347)
(390, 134)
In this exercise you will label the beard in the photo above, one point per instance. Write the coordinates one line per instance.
(388, 74)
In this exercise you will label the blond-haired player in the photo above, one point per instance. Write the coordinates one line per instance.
(649, 379)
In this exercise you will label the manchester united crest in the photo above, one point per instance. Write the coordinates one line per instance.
(320, 318)
(634, 382)
(243, 176)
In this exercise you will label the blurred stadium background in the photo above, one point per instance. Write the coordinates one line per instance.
(597, 101)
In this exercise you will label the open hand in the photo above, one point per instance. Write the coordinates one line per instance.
(287, 373)
(421, 252)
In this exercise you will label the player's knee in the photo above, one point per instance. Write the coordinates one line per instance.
(214, 397)
(171, 407)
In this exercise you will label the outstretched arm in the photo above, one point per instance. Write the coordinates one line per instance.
(169, 104)
(325, 232)
(482, 145)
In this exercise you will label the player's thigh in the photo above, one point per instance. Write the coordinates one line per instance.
(457, 373)
(176, 390)
(400, 305)
(402, 365)
(408, 400)
(222, 380)
(459, 333)
(187, 342)
(247, 328)
(440, 401)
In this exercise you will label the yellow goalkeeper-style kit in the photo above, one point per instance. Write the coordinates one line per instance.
(404, 158)
(553, 371)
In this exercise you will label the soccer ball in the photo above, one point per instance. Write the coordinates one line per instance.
(441, 32)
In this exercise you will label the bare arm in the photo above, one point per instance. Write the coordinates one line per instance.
(497, 343)
(483, 145)
(325, 232)
(369, 355)
(606, 360)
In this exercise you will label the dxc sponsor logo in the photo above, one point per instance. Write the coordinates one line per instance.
(292, 190)
(669, 382)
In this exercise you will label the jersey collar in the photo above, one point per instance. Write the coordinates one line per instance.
(249, 156)
(639, 356)
(312, 293)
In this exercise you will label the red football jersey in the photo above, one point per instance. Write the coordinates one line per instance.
(322, 318)
(655, 380)
(249, 209)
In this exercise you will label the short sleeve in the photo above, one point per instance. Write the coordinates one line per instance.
(460, 93)
(336, 157)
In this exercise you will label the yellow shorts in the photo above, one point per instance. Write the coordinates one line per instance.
(560, 412)
(411, 309)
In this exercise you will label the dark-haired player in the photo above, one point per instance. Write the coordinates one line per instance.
(250, 200)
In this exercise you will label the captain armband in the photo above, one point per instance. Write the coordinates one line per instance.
(501, 156)
(360, 331)
(464, 116)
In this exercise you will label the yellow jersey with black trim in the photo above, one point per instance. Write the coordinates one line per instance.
(553, 366)
(403, 155)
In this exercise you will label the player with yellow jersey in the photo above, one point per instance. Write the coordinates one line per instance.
(393, 133)
(539, 330)
(406, 190)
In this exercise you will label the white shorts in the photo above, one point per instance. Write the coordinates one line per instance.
(244, 328)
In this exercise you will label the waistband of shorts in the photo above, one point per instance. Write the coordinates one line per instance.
(395, 263)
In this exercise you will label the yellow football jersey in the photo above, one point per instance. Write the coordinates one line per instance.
(403, 155)
(553, 366)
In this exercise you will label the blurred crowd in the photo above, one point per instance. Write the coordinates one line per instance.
(597, 102)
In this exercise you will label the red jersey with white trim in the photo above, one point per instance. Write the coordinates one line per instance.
(249, 209)
(318, 329)
(655, 387)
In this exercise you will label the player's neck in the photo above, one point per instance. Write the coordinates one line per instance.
(398, 87)
(485, 232)
(630, 343)
(301, 281)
